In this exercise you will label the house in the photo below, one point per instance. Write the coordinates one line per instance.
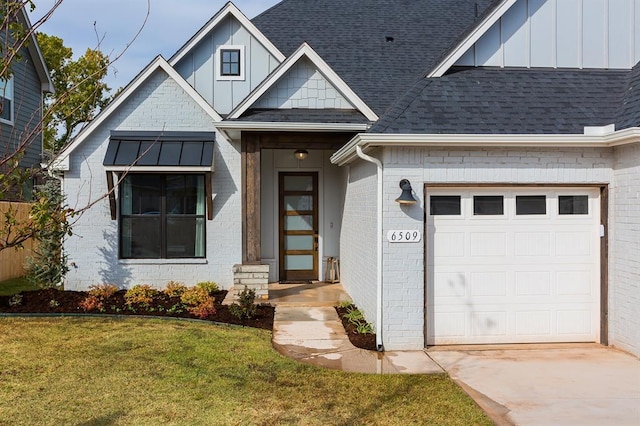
(21, 102)
(474, 164)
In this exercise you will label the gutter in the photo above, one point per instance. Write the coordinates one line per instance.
(365, 157)
(589, 140)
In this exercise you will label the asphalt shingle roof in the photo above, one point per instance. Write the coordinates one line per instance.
(351, 36)
(504, 101)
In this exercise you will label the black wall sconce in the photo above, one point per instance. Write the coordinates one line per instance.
(407, 193)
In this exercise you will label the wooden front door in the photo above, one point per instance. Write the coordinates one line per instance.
(298, 200)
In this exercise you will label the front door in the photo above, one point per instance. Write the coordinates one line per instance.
(298, 200)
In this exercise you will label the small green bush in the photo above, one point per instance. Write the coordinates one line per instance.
(245, 308)
(210, 286)
(354, 315)
(140, 295)
(16, 300)
(175, 289)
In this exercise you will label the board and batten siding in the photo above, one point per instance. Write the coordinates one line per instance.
(596, 34)
(93, 247)
(198, 67)
(624, 237)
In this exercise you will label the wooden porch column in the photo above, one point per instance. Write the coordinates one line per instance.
(251, 244)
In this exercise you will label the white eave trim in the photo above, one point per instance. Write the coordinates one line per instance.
(228, 9)
(62, 161)
(370, 140)
(325, 70)
(468, 42)
(278, 126)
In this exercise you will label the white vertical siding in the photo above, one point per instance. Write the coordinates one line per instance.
(562, 33)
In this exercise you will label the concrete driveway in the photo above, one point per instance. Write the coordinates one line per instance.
(569, 385)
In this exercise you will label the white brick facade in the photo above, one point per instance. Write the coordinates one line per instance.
(403, 278)
(624, 257)
(358, 240)
(158, 105)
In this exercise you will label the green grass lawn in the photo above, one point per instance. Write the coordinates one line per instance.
(15, 285)
(99, 371)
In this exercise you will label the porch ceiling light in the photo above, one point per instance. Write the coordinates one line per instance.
(301, 154)
(407, 193)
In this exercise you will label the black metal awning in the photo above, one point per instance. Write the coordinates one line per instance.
(152, 150)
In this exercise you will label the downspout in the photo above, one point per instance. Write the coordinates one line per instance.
(365, 157)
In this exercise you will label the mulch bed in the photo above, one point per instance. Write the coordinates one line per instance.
(52, 301)
(362, 341)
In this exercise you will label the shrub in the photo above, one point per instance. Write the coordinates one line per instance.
(210, 286)
(16, 300)
(204, 309)
(245, 308)
(92, 303)
(140, 295)
(194, 296)
(354, 315)
(175, 289)
(103, 291)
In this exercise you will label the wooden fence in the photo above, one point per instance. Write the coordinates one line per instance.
(12, 260)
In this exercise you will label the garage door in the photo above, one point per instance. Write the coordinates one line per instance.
(512, 265)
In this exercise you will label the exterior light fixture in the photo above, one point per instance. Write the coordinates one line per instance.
(301, 154)
(407, 193)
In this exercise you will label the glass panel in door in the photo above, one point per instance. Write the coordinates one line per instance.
(298, 202)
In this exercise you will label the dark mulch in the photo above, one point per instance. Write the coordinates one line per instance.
(52, 301)
(362, 341)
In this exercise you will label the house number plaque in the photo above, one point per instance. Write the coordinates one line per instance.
(405, 236)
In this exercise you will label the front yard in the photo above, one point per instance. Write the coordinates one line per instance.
(101, 371)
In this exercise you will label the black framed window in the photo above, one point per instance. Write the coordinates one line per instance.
(531, 204)
(488, 205)
(162, 216)
(573, 204)
(230, 62)
(442, 205)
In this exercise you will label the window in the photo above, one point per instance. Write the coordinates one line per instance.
(6, 99)
(573, 204)
(531, 204)
(488, 205)
(442, 205)
(162, 216)
(230, 64)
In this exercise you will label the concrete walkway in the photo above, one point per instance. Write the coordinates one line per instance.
(315, 335)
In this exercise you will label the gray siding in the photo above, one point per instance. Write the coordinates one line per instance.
(563, 34)
(27, 114)
(199, 66)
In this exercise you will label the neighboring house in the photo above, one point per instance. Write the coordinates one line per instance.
(263, 147)
(21, 102)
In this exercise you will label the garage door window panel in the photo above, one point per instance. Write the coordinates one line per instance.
(573, 204)
(445, 205)
(531, 205)
(488, 205)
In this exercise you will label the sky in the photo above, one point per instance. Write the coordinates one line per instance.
(169, 25)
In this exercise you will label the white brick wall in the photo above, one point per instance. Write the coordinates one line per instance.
(624, 285)
(403, 296)
(358, 242)
(303, 87)
(159, 104)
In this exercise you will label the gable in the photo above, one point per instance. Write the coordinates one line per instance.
(303, 86)
(595, 34)
(199, 62)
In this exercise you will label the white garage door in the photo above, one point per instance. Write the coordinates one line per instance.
(512, 265)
